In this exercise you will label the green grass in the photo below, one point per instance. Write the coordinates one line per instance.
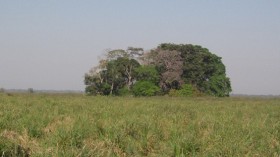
(77, 125)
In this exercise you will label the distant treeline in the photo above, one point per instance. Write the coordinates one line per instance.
(31, 90)
(176, 70)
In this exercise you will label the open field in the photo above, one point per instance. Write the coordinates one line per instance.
(77, 125)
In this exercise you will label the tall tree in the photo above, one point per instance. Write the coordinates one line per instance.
(114, 72)
(135, 52)
(200, 67)
(169, 65)
(127, 68)
(114, 76)
(94, 79)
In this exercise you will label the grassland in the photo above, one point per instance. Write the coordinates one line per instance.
(77, 125)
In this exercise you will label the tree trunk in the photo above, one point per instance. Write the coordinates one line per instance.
(129, 82)
(128, 73)
(112, 87)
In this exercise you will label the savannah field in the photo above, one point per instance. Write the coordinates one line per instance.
(77, 125)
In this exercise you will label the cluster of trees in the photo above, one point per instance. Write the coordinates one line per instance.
(172, 69)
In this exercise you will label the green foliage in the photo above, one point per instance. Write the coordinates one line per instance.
(105, 88)
(186, 90)
(219, 85)
(145, 88)
(200, 65)
(112, 74)
(98, 89)
(127, 67)
(124, 92)
(91, 90)
(169, 66)
(147, 73)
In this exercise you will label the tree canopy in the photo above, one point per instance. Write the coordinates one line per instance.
(202, 69)
(165, 69)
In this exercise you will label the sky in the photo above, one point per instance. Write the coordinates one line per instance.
(51, 44)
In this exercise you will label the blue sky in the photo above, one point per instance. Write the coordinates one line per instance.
(51, 44)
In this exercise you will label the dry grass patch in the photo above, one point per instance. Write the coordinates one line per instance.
(103, 148)
(65, 122)
(26, 144)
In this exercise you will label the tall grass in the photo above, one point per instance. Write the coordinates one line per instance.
(77, 125)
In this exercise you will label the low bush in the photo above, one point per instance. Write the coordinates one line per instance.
(173, 93)
(145, 88)
(186, 90)
(124, 92)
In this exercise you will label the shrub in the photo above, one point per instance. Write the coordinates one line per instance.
(173, 93)
(99, 89)
(90, 90)
(186, 90)
(124, 92)
(145, 88)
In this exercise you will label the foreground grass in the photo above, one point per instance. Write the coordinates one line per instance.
(77, 125)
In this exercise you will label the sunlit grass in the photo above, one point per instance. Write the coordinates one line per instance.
(77, 125)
